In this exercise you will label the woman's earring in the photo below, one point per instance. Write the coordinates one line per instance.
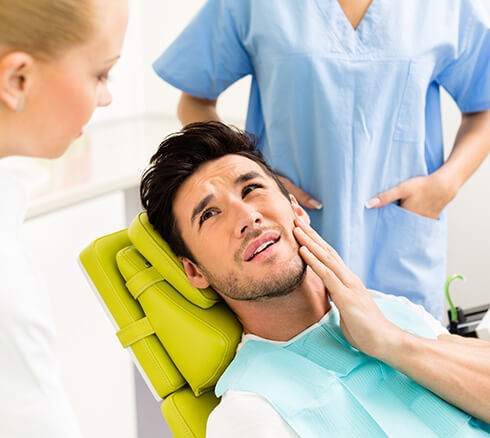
(20, 106)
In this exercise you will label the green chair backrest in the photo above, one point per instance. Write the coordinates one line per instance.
(181, 338)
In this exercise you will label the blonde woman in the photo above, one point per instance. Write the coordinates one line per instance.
(55, 56)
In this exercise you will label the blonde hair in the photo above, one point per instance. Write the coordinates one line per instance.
(45, 28)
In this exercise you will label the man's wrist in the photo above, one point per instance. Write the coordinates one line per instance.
(398, 343)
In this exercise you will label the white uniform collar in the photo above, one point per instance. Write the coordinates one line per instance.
(13, 201)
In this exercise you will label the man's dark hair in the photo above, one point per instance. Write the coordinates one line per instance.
(177, 158)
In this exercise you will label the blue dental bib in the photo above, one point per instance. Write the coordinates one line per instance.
(321, 386)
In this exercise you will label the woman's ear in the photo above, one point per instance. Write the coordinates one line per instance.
(16, 70)
(298, 210)
(195, 276)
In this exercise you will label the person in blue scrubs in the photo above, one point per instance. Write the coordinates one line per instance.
(345, 101)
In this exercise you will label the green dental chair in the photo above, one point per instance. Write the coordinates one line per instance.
(181, 338)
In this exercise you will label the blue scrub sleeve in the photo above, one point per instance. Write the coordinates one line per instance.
(467, 76)
(208, 56)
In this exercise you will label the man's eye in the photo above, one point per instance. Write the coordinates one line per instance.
(206, 215)
(251, 187)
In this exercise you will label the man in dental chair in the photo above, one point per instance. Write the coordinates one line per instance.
(320, 355)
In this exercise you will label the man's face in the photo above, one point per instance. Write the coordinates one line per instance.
(238, 225)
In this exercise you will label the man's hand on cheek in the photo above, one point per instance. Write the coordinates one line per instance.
(362, 323)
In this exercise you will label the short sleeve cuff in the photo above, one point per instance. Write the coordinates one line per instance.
(180, 85)
(475, 107)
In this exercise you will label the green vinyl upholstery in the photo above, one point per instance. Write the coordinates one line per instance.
(180, 337)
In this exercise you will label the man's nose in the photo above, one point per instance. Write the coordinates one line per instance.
(247, 219)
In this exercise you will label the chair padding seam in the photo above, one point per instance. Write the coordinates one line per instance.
(149, 352)
(144, 345)
(141, 235)
(173, 265)
(179, 416)
(199, 388)
(135, 331)
(111, 288)
(156, 363)
(138, 283)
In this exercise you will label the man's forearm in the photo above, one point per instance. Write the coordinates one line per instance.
(471, 147)
(194, 109)
(456, 369)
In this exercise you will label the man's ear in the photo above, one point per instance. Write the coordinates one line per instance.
(16, 70)
(195, 276)
(298, 210)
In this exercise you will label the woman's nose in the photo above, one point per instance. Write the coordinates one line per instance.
(104, 97)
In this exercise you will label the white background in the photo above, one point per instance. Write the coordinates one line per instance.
(95, 369)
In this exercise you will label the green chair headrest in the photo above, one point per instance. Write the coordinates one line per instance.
(151, 245)
(183, 338)
(191, 335)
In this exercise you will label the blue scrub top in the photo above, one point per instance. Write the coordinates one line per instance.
(347, 114)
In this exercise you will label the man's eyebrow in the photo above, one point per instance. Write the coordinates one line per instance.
(247, 177)
(205, 201)
(201, 206)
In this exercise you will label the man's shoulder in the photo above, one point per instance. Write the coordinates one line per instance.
(245, 414)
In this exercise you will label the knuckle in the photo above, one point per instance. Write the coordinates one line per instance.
(325, 253)
(324, 271)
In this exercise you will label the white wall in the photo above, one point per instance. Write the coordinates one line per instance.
(469, 225)
(126, 79)
(96, 372)
(163, 21)
(135, 88)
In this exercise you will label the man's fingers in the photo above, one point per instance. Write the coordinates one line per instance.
(331, 281)
(303, 198)
(318, 239)
(329, 259)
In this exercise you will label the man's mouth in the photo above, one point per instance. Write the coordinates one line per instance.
(260, 245)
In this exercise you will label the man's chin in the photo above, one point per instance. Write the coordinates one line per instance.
(282, 281)
(285, 285)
